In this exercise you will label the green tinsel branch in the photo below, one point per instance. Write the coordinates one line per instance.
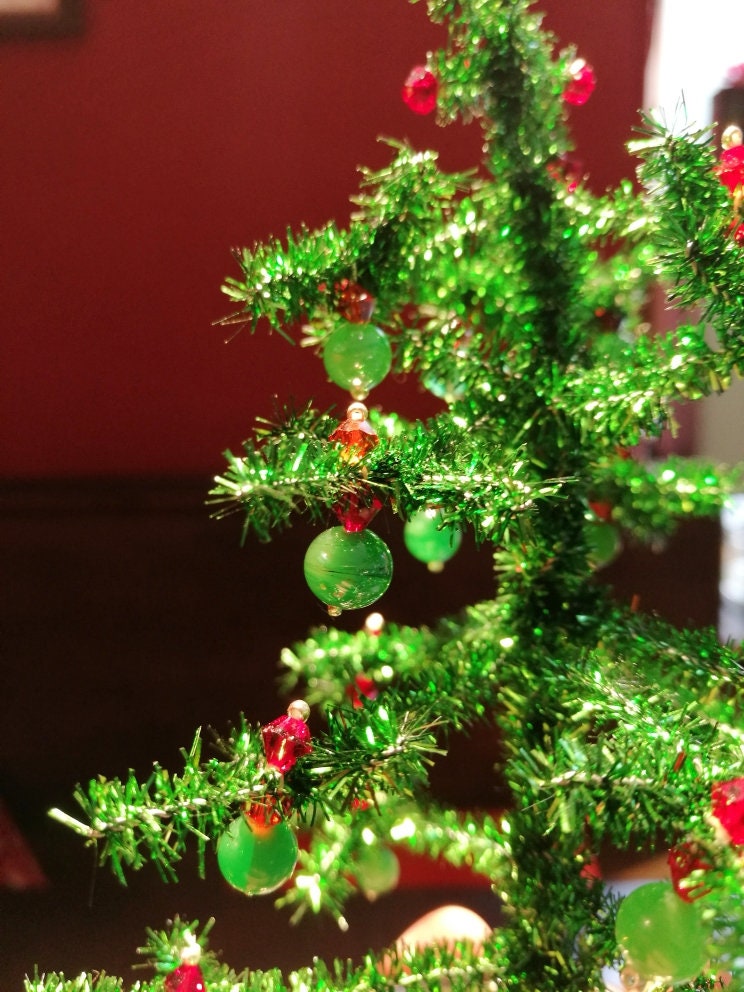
(132, 823)
(296, 469)
(648, 499)
(400, 208)
(695, 214)
(459, 967)
(631, 684)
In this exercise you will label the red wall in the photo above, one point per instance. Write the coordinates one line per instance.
(135, 156)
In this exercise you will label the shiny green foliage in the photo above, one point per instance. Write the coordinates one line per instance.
(648, 499)
(132, 823)
(397, 208)
(520, 298)
(459, 968)
(293, 469)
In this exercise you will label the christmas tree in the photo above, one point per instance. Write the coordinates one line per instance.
(520, 299)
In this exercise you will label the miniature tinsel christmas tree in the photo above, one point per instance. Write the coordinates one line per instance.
(519, 298)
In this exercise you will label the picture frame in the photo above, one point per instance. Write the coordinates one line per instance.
(30, 19)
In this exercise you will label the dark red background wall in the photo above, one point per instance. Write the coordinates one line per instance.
(133, 158)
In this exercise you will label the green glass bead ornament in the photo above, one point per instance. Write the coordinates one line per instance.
(348, 570)
(357, 357)
(662, 935)
(376, 869)
(429, 539)
(257, 858)
(603, 542)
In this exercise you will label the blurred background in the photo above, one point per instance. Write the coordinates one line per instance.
(141, 143)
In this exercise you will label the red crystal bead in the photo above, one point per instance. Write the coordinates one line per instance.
(265, 813)
(355, 433)
(353, 302)
(420, 90)
(727, 802)
(185, 978)
(356, 512)
(591, 870)
(581, 85)
(285, 740)
(683, 860)
(567, 169)
(361, 686)
(601, 509)
(739, 234)
(730, 168)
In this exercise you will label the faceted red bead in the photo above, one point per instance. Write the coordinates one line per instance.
(683, 860)
(264, 813)
(730, 168)
(361, 686)
(285, 740)
(727, 802)
(420, 90)
(185, 978)
(591, 870)
(581, 84)
(353, 302)
(357, 436)
(601, 509)
(356, 512)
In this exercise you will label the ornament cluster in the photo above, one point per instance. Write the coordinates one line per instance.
(348, 566)
(662, 927)
(258, 851)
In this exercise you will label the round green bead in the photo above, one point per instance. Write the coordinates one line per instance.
(348, 570)
(603, 542)
(376, 869)
(257, 860)
(428, 540)
(661, 934)
(357, 357)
